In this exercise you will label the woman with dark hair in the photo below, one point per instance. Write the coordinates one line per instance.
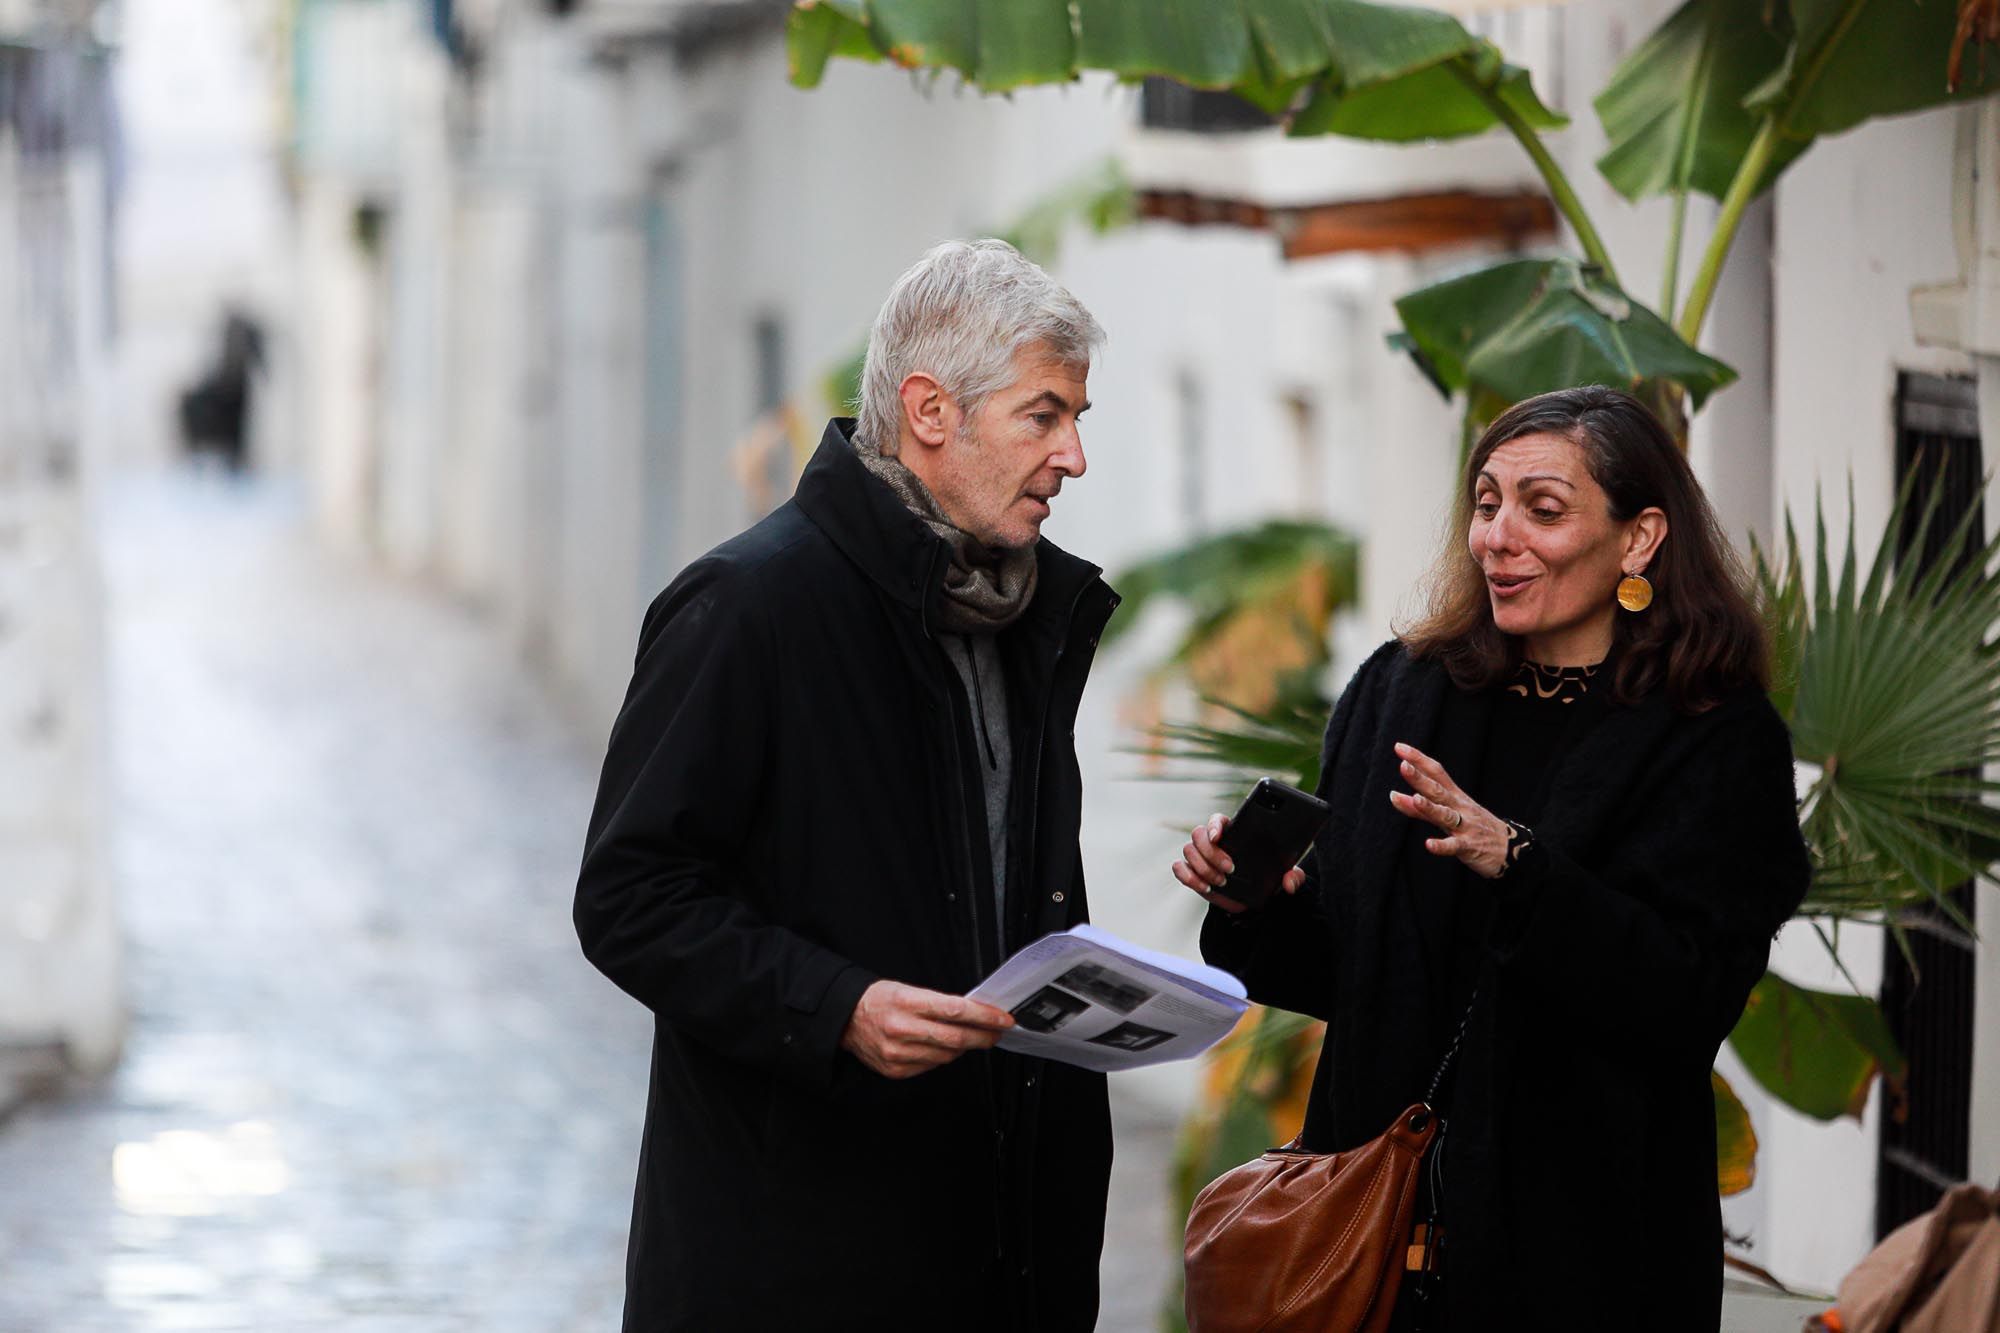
(1564, 826)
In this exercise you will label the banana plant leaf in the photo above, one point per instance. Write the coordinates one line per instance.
(1890, 681)
(1409, 73)
(1853, 60)
(1816, 1051)
(1446, 101)
(1735, 1140)
(1673, 111)
(1524, 327)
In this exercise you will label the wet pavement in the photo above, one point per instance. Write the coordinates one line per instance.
(369, 1082)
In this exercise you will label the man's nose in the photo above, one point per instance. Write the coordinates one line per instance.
(1069, 459)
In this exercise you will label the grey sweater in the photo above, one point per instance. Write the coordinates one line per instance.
(977, 659)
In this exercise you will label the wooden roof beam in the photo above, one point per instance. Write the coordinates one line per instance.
(1409, 223)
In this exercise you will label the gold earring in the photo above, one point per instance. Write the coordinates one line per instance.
(1634, 593)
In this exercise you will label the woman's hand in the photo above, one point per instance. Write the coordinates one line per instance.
(1473, 834)
(1204, 867)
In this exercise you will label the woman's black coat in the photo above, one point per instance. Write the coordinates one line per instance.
(788, 812)
(1581, 1180)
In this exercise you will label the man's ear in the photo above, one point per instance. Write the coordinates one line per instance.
(1648, 531)
(928, 410)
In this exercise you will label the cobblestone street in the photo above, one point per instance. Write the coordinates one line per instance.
(369, 1082)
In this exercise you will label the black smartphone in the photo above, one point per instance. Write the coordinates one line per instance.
(1266, 837)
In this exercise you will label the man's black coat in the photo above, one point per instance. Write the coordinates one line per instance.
(1581, 1171)
(788, 812)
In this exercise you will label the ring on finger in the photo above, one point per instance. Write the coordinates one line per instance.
(1457, 818)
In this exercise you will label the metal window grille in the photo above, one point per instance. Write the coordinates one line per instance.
(1925, 1144)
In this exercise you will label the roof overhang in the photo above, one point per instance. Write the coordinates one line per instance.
(1403, 223)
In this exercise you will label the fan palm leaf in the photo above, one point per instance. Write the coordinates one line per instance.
(1890, 681)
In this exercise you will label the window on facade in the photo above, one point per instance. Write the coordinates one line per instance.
(1928, 996)
(1167, 105)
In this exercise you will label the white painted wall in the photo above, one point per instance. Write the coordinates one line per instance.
(60, 980)
(339, 295)
(594, 621)
(353, 71)
(417, 345)
(489, 385)
(1862, 219)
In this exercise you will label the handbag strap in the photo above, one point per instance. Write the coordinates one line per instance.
(1450, 1055)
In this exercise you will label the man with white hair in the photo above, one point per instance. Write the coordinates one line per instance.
(842, 788)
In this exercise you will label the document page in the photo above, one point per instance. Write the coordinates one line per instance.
(1088, 998)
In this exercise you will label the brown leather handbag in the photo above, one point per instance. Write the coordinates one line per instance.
(1304, 1240)
(1300, 1240)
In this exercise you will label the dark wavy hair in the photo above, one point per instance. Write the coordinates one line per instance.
(1702, 637)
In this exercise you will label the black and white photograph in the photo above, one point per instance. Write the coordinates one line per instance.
(1132, 1037)
(1048, 1009)
(1111, 989)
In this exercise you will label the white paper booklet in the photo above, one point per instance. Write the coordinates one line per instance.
(1088, 998)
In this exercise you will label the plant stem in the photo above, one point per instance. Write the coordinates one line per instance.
(1676, 228)
(1741, 190)
(1564, 197)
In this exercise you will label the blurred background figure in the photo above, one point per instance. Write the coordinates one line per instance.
(215, 409)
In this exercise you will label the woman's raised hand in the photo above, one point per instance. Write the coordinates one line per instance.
(1472, 833)
(1205, 867)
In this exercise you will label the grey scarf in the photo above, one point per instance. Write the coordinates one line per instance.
(986, 588)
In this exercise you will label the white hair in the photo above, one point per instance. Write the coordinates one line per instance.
(961, 314)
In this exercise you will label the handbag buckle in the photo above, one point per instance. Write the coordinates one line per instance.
(1423, 1239)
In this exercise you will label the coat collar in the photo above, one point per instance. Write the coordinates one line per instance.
(902, 556)
(866, 521)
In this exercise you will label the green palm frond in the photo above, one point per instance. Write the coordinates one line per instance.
(1282, 740)
(1220, 575)
(1890, 680)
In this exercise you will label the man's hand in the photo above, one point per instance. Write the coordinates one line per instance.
(900, 1031)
